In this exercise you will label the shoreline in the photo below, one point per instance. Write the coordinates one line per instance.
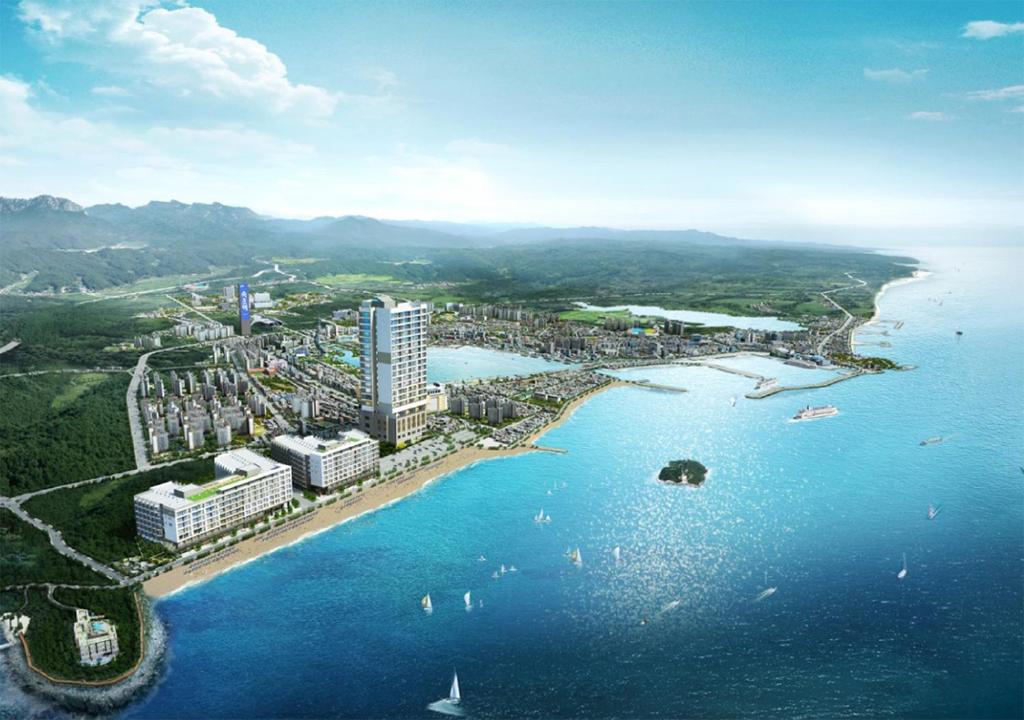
(876, 316)
(347, 509)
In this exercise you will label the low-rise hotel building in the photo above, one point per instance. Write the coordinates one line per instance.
(245, 486)
(327, 465)
(96, 638)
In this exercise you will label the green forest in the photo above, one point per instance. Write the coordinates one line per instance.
(26, 556)
(99, 519)
(57, 428)
(50, 638)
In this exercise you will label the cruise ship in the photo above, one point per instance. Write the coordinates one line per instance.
(816, 413)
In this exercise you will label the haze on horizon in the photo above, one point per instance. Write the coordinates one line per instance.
(869, 122)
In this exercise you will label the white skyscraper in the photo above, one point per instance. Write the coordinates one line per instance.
(393, 368)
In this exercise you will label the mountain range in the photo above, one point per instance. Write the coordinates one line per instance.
(54, 244)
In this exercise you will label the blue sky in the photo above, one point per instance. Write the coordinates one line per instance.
(856, 121)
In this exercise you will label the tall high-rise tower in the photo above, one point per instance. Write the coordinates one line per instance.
(393, 368)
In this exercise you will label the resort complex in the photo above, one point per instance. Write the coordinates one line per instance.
(246, 486)
(328, 465)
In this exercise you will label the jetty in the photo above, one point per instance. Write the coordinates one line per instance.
(776, 389)
(734, 371)
(656, 386)
(547, 449)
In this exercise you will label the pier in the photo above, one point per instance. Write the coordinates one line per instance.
(544, 448)
(656, 386)
(734, 371)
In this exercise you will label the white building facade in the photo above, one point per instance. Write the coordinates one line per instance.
(245, 486)
(393, 368)
(326, 465)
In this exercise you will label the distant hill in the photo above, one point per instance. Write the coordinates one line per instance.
(38, 204)
(52, 243)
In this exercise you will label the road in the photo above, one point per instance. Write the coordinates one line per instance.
(195, 310)
(849, 318)
(135, 415)
(59, 545)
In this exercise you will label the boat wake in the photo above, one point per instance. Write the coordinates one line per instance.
(446, 707)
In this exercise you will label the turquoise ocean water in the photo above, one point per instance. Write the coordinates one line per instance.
(822, 511)
(450, 364)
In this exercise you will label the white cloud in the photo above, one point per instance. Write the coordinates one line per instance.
(929, 116)
(1007, 93)
(91, 160)
(475, 146)
(184, 49)
(988, 29)
(384, 79)
(894, 75)
(110, 91)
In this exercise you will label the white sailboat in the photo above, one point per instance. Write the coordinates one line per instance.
(734, 401)
(426, 604)
(541, 517)
(576, 557)
(617, 553)
(454, 696)
(502, 569)
(512, 569)
(450, 704)
(468, 600)
(903, 572)
(933, 511)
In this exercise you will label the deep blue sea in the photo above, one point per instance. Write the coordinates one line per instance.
(822, 511)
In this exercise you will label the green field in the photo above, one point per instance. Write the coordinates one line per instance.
(61, 427)
(99, 519)
(342, 279)
(295, 260)
(50, 638)
(26, 556)
(597, 317)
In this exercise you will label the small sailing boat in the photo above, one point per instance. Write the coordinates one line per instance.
(512, 569)
(502, 569)
(734, 401)
(576, 557)
(494, 575)
(454, 696)
(617, 553)
(481, 559)
(903, 572)
(450, 704)
(539, 517)
(933, 511)
(468, 600)
(426, 604)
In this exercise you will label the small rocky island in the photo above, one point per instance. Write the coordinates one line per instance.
(690, 472)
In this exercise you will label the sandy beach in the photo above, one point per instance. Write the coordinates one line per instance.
(350, 507)
(917, 275)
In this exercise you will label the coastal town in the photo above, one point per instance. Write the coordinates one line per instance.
(306, 428)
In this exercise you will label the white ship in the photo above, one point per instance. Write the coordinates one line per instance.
(766, 383)
(816, 413)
